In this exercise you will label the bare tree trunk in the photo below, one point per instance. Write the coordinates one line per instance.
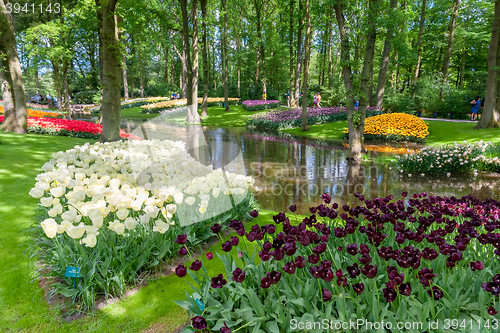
(141, 73)
(290, 32)
(65, 85)
(307, 56)
(355, 136)
(367, 69)
(262, 57)
(382, 76)
(195, 64)
(295, 101)
(10, 122)
(204, 112)
(451, 34)
(419, 41)
(238, 70)
(110, 103)
(9, 47)
(462, 72)
(225, 59)
(491, 111)
(330, 33)
(125, 83)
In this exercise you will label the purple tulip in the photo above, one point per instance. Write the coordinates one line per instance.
(358, 288)
(293, 208)
(265, 282)
(218, 281)
(254, 213)
(234, 240)
(180, 271)
(300, 262)
(289, 267)
(492, 311)
(181, 239)
(327, 295)
(183, 251)
(238, 275)
(390, 294)
(435, 293)
(210, 256)
(227, 246)
(199, 323)
(216, 228)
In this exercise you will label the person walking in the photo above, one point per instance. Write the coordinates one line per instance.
(475, 108)
(315, 100)
(288, 98)
(318, 100)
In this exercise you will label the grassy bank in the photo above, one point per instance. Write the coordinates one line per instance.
(441, 132)
(22, 305)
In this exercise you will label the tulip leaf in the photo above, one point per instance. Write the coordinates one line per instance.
(272, 326)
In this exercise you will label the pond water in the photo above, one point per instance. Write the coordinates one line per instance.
(295, 170)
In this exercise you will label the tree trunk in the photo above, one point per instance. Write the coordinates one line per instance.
(367, 69)
(355, 136)
(204, 112)
(238, 70)
(330, 33)
(165, 54)
(125, 83)
(10, 122)
(9, 47)
(451, 34)
(295, 101)
(464, 52)
(110, 103)
(192, 66)
(141, 73)
(419, 41)
(382, 76)
(65, 85)
(262, 57)
(307, 56)
(225, 59)
(491, 112)
(291, 96)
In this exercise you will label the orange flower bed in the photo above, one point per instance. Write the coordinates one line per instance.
(39, 114)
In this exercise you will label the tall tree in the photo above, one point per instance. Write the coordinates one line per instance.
(451, 34)
(307, 58)
(10, 122)
(419, 41)
(204, 56)
(382, 76)
(262, 55)
(355, 136)
(367, 68)
(110, 82)
(295, 101)
(290, 47)
(226, 57)
(8, 41)
(491, 111)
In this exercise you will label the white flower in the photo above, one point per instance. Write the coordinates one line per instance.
(70, 215)
(122, 213)
(76, 232)
(190, 200)
(36, 192)
(178, 197)
(90, 240)
(160, 226)
(46, 201)
(144, 219)
(117, 227)
(58, 191)
(50, 227)
(63, 227)
(130, 223)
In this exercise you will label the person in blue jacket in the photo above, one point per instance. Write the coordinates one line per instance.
(475, 108)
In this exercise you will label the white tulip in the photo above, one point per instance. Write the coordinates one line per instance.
(46, 201)
(160, 227)
(76, 232)
(90, 240)
(36, 192)
(58, 191)
(50, 227)
(122, 213)
(130, 223)
(144, 219)
(190, 200)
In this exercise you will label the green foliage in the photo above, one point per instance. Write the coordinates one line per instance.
(87, 97)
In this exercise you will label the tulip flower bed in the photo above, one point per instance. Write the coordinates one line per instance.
(114, 210)
(289, 118)
(395, 127)
(176, 103)
(133, 103)
(65, 127)
(480, 156)
(256, 105)
(403, 261)
(39, 113)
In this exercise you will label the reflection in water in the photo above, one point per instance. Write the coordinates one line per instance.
(294, 170)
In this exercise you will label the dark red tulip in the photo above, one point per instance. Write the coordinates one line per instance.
(199, 323)
(183, 251)
(225, 329)
(195, 266)
(234, 241)
(238, 275)
(492, 311)
(216, 228)
(326, 198)
(210, 256)
(491, 287)
(181, 239)
(300, 262)
(227, 246)
(340, 248)
(181, 271)
(289, 267)
(293, 208)
(352, 249)
(265, 282)
(353, 271)
(313, 259)
(327, 295)
(358, 288)
(476, 265)
(369, 271)
(254, 213)
(250, 236)
(435, 293)
(390, 294)
(274, 276)
(405, 289)
(218, 281)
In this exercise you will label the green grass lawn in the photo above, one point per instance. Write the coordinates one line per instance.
(236, 117)
(22, 305)
(441, 132)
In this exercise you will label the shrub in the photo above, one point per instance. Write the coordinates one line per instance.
(383, 260)
(87, 97)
